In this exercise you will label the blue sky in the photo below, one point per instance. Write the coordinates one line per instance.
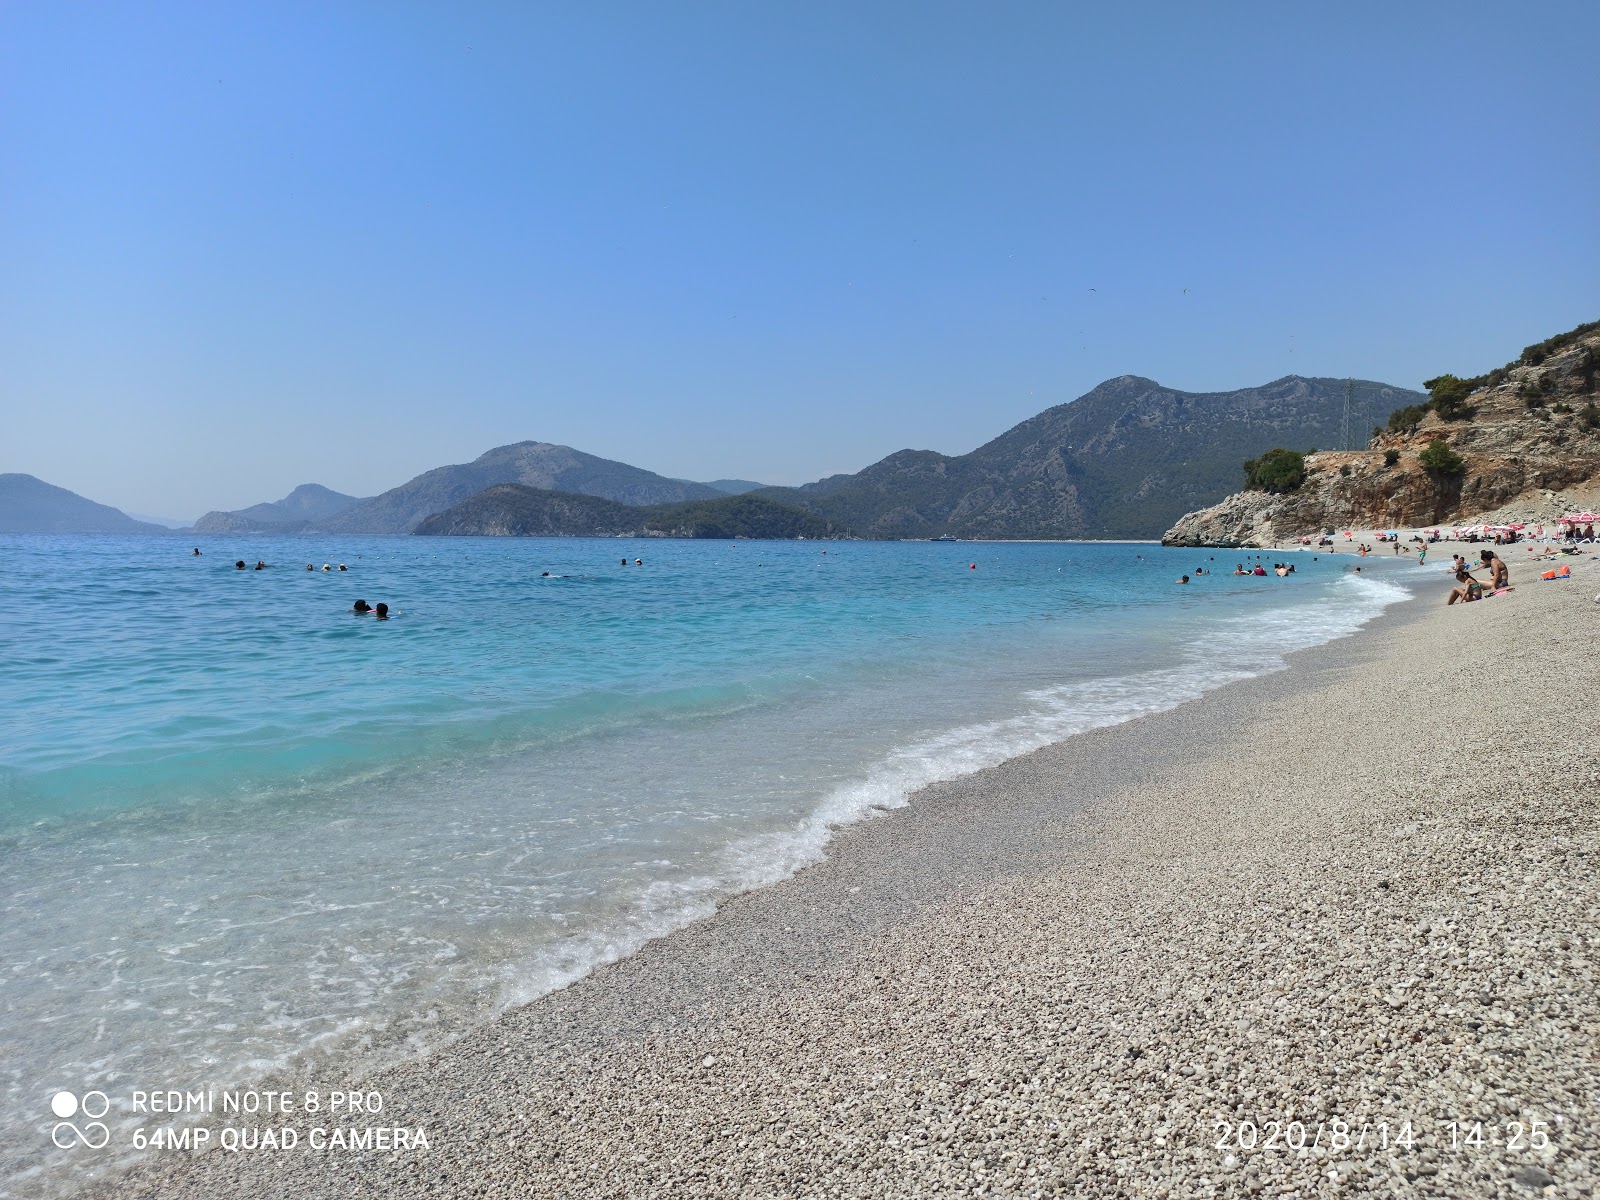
(248, 246)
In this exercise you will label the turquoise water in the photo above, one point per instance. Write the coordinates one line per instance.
(245, 830)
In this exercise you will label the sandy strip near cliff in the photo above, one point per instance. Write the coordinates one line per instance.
(1360, 895)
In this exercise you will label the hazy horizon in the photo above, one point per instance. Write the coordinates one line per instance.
(269, 245)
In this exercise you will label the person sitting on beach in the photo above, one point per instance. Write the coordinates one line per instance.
(361, 606)
(382, 611)
(1499, 576)
(1468, 589)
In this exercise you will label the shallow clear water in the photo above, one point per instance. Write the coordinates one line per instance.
(241, 825)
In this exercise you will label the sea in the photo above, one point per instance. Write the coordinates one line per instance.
(249, 834)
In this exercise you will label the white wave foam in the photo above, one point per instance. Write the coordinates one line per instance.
(1235, 648)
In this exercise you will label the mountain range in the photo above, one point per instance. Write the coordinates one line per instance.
(534, 464)
(1123, 461)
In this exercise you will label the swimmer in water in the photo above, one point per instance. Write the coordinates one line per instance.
(197, 551)
(342, 567)
(624, 562)
(638, 562)
(361, 606)
(239, 566)
(309, 567)
(1184, 579)
(326, 567)
(260, 566)
(382, 611)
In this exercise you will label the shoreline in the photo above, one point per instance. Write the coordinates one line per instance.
(931, 1006)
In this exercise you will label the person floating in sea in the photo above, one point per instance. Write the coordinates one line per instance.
(1182, 579)
(638, 562)
(624, 562)
(197, 551)
(326, 567)
(260, 566)
(239, 566)
(309, 567)
(1260, 570)
(1239, 570)
(342, 567)
(360, 606)
(382, 611)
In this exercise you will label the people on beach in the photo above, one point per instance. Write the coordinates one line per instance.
(1499, 576)
(361, 606)
(1467, 588)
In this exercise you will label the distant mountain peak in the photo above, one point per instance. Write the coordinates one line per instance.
(30, 505)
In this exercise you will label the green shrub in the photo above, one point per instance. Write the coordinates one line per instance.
(1447, 396)
(1277, 470)
(1560, 407)
(1440, 459)
(1406, 420)
(1390, 457)
(1344, 469)
(1589, 416)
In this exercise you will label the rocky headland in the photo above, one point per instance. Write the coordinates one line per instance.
(1522, 442)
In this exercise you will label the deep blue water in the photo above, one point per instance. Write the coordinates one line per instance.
(241, 825)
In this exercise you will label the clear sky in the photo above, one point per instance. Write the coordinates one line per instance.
(245, 246)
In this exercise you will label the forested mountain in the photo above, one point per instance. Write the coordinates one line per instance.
(515, 510)
(1125, 460)
(538, 465)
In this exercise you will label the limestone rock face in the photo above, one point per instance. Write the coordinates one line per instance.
(1529, 437)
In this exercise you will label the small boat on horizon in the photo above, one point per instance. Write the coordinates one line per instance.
(945, 537)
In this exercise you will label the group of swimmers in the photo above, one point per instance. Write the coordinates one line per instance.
(1279, 569)
(261, 566)
(361, 608)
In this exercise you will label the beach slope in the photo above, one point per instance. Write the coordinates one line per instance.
(1275, 941)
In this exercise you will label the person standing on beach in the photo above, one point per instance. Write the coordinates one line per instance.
(1422, 556)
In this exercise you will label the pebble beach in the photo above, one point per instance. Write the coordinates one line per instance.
(1332, 931)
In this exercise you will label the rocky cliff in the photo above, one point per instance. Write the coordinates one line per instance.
(1528, 432)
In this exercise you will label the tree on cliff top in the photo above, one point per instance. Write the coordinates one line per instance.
(1276, 471)
(1439, 459)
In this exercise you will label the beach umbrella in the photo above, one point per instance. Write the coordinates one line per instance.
(1579, 518)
